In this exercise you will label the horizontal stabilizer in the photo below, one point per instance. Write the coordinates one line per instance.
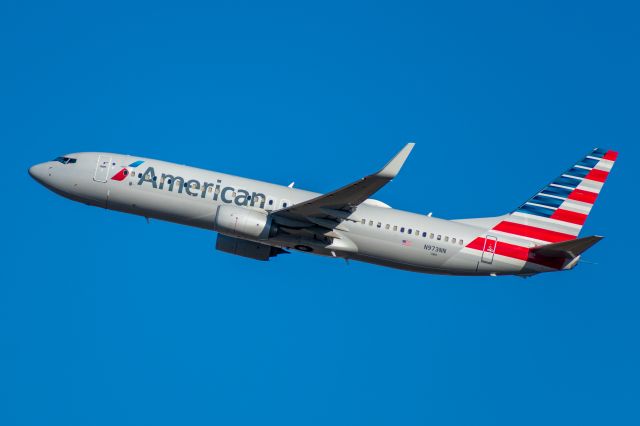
(568, 249)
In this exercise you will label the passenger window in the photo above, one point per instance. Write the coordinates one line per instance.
(209, 189)
(283, 204)
(446, 239)
(270, 202)
(409, 231)
(387, 226)
(370, 223)
(395, 227)
(453, 241)
(417, 233)
(139, 175)
(424, 234)
(460, 242)
(431, 235)
(439, 237)
(379, 225)
(402, 230)
(364, 221)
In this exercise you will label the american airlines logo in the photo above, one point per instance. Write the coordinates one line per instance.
(193, 187)
(124, 172)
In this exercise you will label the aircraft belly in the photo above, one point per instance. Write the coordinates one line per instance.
(414, 255)
(169, 206)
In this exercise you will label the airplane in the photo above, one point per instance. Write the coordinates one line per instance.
(261, 220)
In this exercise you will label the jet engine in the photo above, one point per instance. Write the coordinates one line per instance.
(244, 223)
(246, 248)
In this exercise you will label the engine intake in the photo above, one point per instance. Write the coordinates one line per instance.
(244, 223)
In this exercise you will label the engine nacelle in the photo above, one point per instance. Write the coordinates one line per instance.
(246, 248)
(244, 223)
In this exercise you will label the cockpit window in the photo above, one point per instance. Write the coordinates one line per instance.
(65, 160)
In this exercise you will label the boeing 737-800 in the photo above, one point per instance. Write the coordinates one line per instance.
(260, 220)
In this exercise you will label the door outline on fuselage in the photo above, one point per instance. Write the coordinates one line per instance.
(489, 249)
(102, 169)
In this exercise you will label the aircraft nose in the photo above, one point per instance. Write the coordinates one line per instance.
(38, 172)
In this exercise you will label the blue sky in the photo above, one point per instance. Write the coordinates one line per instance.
(107, 320)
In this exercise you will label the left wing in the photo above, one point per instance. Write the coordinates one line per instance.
(328, 210)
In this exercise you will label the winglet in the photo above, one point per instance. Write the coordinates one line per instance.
(393, 167)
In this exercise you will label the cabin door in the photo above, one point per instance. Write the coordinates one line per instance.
(490, 243)
(102, 169)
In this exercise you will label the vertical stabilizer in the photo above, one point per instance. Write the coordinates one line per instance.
(558, 212)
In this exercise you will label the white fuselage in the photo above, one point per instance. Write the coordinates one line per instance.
(191, 196)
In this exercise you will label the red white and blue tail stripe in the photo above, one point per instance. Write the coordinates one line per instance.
(558, 212)
(555, 214)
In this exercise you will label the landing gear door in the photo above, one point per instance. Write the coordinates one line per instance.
(102, 169)
(490, 243)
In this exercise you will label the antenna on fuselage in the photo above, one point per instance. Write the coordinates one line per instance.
(429, 214)
(291, 184)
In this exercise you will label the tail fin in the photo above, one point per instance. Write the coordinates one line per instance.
(559, 210)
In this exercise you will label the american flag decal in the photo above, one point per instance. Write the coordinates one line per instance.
(406, 243)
